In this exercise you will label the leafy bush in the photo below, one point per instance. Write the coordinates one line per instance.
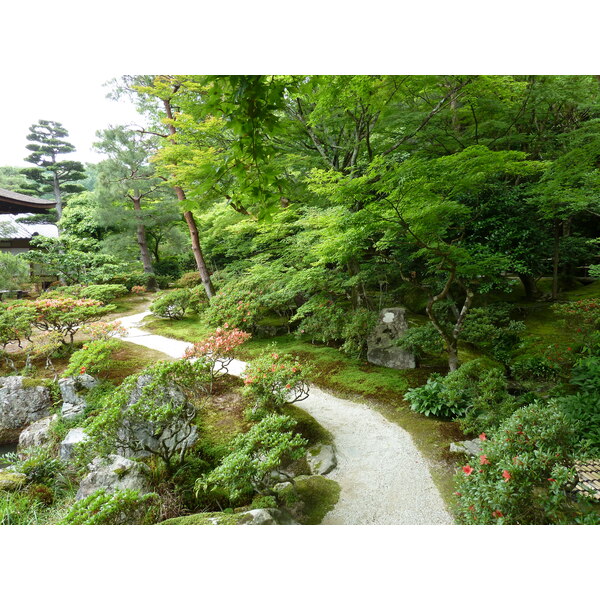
(422, 339)
(105, 292)
(321, 319)
(235, 307)
(123, 507)
(523, 473)
(189, 280)
(273, 380)
(359, 324)
(94, 358)
(138, 290)
(16, 322)
(491, 330)
(198, 299)
(429, 399)
(533, 367)
(39, 465)
(255, 456)
(172, 305)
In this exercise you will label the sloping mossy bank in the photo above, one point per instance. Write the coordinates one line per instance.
(308, 501)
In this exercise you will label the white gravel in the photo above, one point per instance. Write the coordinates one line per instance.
(384, 479)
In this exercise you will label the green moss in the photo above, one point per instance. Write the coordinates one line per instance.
(188, 329)
(212, 518)
(308, 427)
(10, 481)
(310, 498)
(31, 382)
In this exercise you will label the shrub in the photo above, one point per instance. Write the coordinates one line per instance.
(101, 292)
(103, 330)
(491, 330)
(189, 280)
(422, 339)
(93, 358)
(356, 330)
(321, 319)
(273, 380)
(198, 299)
(172, 305)
(534, 367)
(217, 350)
(66, 315)
(138, 290)
(523, 474)
(249, 468)
(123, 507)
(39, 465)
(16, 322)
(234, 307)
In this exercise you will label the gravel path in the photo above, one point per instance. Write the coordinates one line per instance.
(384, 479)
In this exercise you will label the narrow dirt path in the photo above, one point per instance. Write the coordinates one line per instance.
(384, 479)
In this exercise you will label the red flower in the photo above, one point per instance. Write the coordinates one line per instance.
(82, 370)
(550, 479)
(497, 514)
(506, 475)
(482, 436)
(483, 459)
(467, 469)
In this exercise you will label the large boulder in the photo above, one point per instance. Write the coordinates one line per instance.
(114, 473)
(73, 390)
(21, 404)
(139, 438)
(382, 346)
(75, 437)
(36, 434)
(321, 459)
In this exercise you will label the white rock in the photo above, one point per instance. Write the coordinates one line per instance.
(74, 437)
(36, 434)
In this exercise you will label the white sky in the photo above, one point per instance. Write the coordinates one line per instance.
(78, 101)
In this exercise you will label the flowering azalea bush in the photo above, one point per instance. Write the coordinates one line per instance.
(217, 350)
(102, 292)
(138, 290)
(237, 307)
(66, 315)
(103, 330)
(273, 380)
(524, 473)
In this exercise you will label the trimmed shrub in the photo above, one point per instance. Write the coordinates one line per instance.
(123, 507)
(172, 305)
(189, 280)
(93, 358)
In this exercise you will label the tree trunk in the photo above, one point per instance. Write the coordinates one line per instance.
(143, 244)
(202, 269)
(452, 356)
(189, 218)
(555, 258)
(530, 286)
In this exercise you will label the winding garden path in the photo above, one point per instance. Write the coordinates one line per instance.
(384, 479)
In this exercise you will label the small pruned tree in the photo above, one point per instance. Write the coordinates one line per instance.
(256, 455)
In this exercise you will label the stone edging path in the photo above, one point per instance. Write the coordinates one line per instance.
(384, 479)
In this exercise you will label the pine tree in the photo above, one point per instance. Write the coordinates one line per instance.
(52, 175)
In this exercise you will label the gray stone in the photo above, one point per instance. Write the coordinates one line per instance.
(114, 473)
(72, 390)
(140, 439)
(20, 405)
(36, 434)
(265, 516)
(468, 447)
(74, 437)
(321, 459)
(382, 346)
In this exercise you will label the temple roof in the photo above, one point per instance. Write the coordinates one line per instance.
(15, 203)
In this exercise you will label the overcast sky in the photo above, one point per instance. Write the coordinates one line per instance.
(78, 101)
